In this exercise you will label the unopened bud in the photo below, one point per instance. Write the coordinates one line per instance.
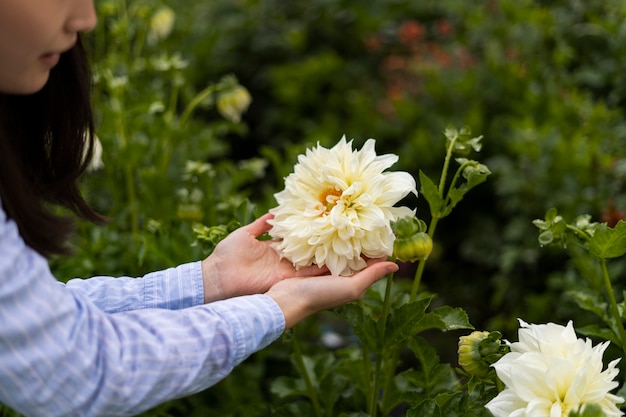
(479, 350)
(412, 243)
(232, 103)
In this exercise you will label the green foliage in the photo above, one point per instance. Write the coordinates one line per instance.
(600, 242)
(592, 410)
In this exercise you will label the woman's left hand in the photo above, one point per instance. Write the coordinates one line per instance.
(242, 265)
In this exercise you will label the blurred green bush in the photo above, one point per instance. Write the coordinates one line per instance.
(542, 81)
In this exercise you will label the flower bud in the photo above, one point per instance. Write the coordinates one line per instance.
(412, 243)
(233, 102)
(161, 24)
(478, 350)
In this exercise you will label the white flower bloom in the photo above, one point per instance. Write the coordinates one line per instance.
(550, 372)
(337, 206)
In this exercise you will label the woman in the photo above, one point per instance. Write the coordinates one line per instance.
(105, 346)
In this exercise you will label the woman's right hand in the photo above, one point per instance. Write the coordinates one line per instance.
(301, 297)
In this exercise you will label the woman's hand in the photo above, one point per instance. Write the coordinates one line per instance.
(298, 298)
(242, 265)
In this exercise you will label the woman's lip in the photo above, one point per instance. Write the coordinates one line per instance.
(50, 59)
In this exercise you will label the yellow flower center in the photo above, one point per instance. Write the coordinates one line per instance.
(329, 198)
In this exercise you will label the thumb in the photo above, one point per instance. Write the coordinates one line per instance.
(260, 225)
(375, 272)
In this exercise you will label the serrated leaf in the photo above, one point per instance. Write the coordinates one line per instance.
(608, 242)
(429, 191)
(474, 174)
(600, 332)
(427, 408)
(432, 376)
(590, 301)
(362, 324)
(444, 318)
(454, 318)
(401, 322)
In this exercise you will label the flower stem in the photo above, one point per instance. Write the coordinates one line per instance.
(379, 357)
(420, 267)
(614, 309)
(195, 101)
(305, 374)
(446, 164)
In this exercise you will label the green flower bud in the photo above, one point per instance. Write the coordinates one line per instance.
(161, 24)
(412, 243)
(233, 102)
(478, 350)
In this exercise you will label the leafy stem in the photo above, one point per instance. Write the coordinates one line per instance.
(417, 279)
(383, 327)
(198, 98)
(446, 165)
(614, 310)
(305, 375)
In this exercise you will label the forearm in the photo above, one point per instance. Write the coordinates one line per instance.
(123, 364)
(62, 355)
(172, 289)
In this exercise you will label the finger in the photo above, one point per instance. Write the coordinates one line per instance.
(260, 225)
(311, 271)
(372, 261)
(375, 272)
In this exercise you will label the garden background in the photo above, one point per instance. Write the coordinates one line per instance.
(543, 81)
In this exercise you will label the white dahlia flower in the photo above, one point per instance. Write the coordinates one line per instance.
(337, 206)
(550, 373)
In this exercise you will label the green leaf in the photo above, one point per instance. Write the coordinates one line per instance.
(427, 408)
(474, 174)
(401, 322)
(588, 410)
(284, 386)
(443, 318)
(601, 332)
(350, 366)
(590, 301)
(608, 242)
(429, 191)
(362, 324)
(332, 386)
(432, 377)
(454, 318)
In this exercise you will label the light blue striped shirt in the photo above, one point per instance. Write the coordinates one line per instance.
(116, 346)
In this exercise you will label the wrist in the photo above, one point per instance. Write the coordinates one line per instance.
(213, 286)
(294, 307)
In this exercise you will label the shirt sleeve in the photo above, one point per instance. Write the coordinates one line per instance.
(61, 355)
(172, 289)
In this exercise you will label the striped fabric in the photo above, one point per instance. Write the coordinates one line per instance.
(116, 346)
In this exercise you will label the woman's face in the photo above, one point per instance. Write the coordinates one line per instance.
(33, 34)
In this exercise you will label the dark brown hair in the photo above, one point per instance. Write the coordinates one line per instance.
(46, 143)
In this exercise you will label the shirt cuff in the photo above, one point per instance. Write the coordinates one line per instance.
(256, 321)
(175, 288)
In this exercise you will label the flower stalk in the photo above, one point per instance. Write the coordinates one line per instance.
(606, 279)
(373, 408)
(614, 310)
(297, 354)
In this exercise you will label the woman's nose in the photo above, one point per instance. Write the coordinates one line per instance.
(83, 18)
